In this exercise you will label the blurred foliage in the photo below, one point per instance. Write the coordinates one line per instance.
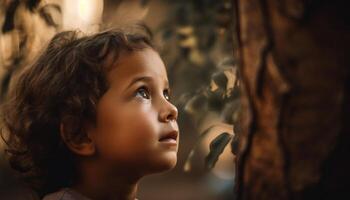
(217, 146)
(26, 25)
(197, 44)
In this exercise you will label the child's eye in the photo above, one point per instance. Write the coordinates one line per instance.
(143, 92)
(166, 95)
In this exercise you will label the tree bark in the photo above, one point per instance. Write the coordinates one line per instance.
(295, 65)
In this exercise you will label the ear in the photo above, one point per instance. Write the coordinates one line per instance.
(80, 145)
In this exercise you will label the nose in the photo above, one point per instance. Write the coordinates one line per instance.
(168, 112)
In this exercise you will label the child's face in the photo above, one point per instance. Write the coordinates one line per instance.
(136, 124)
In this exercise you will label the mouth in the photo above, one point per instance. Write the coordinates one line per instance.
(170, 137)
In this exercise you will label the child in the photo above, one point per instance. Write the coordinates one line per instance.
(91, 117)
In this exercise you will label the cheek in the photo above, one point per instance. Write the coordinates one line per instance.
(140, 130)
(126, 132)
(128, 136)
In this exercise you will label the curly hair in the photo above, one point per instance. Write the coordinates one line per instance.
(64, 84)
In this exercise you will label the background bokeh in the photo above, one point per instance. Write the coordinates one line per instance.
(196, 43)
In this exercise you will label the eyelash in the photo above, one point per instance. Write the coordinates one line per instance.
(147, 95)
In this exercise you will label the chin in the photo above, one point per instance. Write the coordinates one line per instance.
(166, 163)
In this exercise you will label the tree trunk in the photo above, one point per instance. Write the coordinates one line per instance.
(295, 65)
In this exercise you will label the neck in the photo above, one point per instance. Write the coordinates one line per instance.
(95, 184)
(123, 192)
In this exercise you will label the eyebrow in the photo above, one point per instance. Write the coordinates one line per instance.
(146, 79)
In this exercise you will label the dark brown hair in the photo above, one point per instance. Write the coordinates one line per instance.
(63, 85)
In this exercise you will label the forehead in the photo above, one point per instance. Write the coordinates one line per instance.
(145, 62)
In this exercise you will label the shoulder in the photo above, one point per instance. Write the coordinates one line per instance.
(65, 194)
(55, 196)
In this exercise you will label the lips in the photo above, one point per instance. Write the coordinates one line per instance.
(169, 137)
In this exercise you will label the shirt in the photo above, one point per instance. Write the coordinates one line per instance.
(66, 194)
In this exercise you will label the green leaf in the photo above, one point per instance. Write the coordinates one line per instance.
(230, 110)
(196, 104)
(216, 99)
(32, 4)
(46, 13)
(187, 166)
(220, 79)
(217, 146)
